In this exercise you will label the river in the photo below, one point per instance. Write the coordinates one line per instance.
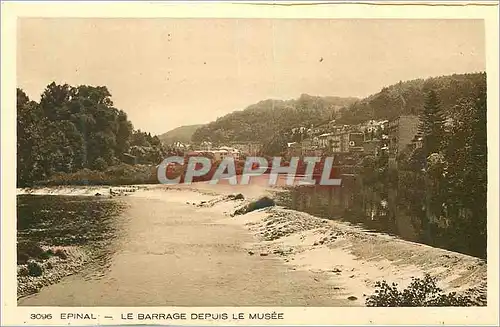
(376, 211)
(164, 252)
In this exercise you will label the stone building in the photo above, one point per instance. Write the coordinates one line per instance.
(401, 132)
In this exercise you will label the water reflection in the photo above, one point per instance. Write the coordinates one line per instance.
(372, 209)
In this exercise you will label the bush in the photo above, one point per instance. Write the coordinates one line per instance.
(100, 164)
(420, 293)
(263, 202)
(34, 269)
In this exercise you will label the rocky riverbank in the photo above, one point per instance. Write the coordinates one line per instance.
(352, 257)
(82, 190)
(58, 235)
(59, 262)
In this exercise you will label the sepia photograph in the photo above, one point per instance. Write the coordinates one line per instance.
(250, 162)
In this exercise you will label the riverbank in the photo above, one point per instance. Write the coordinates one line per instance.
(345, 260)
(344, 254)
(81, 190)
(60, 235)
(63, 261)
(352, 258)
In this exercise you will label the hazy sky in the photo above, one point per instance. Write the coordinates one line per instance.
(170, 72)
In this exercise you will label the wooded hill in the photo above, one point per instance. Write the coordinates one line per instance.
(407, 98)
(260, 121)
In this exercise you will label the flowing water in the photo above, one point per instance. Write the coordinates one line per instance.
(65, 220)
(165, 253)
(79, 222)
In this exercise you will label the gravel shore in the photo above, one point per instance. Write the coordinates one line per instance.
(354, 257)
(53, 269)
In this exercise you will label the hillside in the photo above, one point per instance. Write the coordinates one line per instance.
(180, 134)
(263, 121)
(407, 98)
(259, 122)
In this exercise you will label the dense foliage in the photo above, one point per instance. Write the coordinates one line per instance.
(75, 128)
(408, 98)
(420, 293)
(442, 185)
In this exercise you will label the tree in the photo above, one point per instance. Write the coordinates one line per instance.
(277, 145)
(55, 101)
(468, 176)
(73, 128)
(123, 135)
(431, 124)
(29, 139)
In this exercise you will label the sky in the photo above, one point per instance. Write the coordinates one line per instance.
(165, 73)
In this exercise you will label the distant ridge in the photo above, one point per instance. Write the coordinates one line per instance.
(261, 121)
(180, 134)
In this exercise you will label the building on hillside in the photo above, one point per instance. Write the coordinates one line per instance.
(206, 145)
(356, 142)
(179, 146)
(248, 148)
(346, 139)
(334, 143)
(217, 154)
(375, 137)
(232, 152)
(417, 141)
(307, 146)
(351, 142)
(373, 129)
(336, 140)
(324, 139)
(342, 139)
(329, 142)
(401, 133)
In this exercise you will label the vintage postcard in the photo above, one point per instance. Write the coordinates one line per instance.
(249, 163)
